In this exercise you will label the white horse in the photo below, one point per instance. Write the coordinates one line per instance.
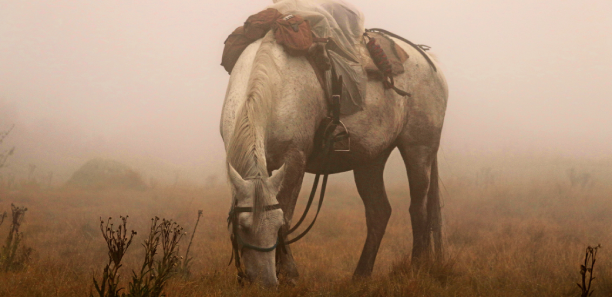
(273, 107)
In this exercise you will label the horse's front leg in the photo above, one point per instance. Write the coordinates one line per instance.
(371, 187)
(287, 197)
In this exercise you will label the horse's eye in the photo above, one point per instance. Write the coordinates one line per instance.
(243, 228)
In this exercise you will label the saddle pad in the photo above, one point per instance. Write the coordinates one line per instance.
(396, 55)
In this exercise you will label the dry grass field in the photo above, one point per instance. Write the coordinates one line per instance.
(504, 237)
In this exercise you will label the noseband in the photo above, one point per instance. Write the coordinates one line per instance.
(233, 215)
(238, 244)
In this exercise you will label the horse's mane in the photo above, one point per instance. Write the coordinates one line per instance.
(246, 149)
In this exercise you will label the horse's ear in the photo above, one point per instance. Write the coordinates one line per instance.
(237, 181)
(277, 178)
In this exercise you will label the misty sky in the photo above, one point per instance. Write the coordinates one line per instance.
(140, 81)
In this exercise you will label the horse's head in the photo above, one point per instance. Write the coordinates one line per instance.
(255, 220)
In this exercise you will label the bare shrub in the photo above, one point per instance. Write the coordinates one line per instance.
(102, 174)
(14, 256)
(582, 179)
(154, 273)
(2, 217)
(185, 266)
(117, 242)
(586, 271)
(4, 155)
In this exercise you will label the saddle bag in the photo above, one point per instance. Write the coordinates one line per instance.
(234, 46)
(294, 33)
(255, 27)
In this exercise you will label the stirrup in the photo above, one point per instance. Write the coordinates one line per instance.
(338, 139)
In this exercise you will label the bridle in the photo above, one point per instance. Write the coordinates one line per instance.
(238, 244)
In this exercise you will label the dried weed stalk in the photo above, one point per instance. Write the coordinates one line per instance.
(117, 242)
(587, 268)
(154, 273)
(5, 154)
(185, 266)
(2, 217)
(14, 255)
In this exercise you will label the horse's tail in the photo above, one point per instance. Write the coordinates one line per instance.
(434, 211)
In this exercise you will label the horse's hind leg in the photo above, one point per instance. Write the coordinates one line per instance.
(371, 187)
(418, 160)
(434, 211)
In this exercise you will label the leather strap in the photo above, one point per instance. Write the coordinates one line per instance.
(418, 48)
(250, 209)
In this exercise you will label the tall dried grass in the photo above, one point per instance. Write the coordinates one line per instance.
(511, 238)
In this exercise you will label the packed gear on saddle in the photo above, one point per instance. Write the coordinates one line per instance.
(388, 65)
(329, 34)
(325, 31)
(235, 44)
(343, 25)
(294, 34)
(255, 27)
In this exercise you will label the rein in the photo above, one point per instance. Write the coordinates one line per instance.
(328, 144)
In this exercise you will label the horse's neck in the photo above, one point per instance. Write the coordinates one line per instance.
(247, 146)
(252, 114)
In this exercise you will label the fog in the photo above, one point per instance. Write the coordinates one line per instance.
(140, 82)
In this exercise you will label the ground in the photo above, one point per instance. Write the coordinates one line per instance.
(518, 237)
